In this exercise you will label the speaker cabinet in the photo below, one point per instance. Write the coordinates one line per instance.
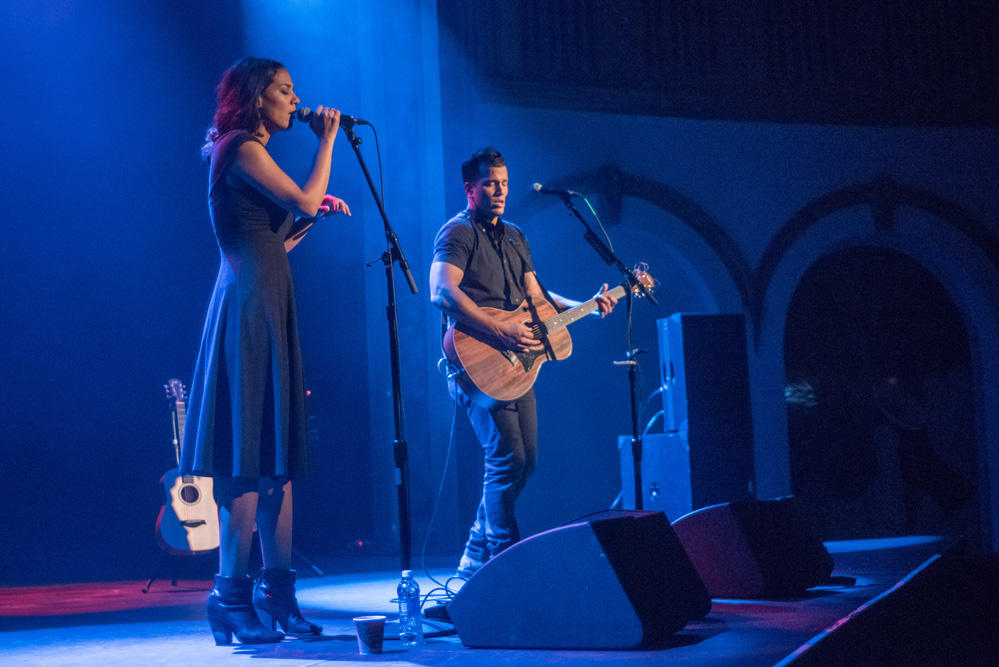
(614, 580)
(665, 474)
(754, 550)
(705, 376)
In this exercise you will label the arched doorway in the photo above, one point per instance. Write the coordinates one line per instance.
(879, 399)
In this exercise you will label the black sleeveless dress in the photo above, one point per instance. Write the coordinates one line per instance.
(246, 414)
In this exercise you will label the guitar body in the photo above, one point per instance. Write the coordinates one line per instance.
(491, 374)
(188, 523)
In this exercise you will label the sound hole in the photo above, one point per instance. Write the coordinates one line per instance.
(189, 493)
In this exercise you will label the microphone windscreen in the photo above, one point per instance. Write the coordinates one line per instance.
(304, 114)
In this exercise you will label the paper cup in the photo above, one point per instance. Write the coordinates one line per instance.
(370, 633)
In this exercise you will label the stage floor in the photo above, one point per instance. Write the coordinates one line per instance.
(113, 624)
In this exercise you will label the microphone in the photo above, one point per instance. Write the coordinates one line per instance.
(564, 194)
(305, 114)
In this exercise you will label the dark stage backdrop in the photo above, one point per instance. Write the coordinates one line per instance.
(714, 206)
(108, 269)
(110, 259)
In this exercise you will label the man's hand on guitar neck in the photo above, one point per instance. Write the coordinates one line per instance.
(605, 302)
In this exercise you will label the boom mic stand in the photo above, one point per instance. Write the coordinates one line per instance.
(629, 282)
(399, 448)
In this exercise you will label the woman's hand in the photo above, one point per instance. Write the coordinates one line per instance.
(331, 206)
(325, 122)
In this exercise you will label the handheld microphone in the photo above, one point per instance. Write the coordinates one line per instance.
(305, 114)
(564, 194)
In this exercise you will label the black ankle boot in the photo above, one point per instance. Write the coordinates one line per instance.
(274, 598)
(230, 612)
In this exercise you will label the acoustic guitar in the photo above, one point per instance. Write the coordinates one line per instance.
(188, 523)
(491, 374)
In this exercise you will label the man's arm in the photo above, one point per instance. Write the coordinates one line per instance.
(446, 294)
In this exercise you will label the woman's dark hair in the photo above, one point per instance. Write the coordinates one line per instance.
(237, 95)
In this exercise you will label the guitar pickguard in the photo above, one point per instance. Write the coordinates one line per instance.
(525, 358)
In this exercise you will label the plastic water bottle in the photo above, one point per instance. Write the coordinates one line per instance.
(410, 614)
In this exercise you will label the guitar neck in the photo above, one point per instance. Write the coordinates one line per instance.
(180, 415)
(567, 317)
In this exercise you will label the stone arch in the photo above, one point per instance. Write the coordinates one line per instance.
(955, 248)
(611, 185)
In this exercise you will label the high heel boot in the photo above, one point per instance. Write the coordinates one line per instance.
(274, 598)
(230, 611)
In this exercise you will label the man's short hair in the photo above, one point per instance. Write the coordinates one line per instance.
(477, 165)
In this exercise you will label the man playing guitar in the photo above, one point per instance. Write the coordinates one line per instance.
(482, 262)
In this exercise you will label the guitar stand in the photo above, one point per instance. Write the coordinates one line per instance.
(164, 556)
(159, 566)
(298, 554)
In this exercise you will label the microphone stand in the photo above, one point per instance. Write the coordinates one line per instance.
(399, 448)
(629, 282)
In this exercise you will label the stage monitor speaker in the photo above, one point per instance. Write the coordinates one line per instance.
(614, 580)
(755, 549)
(706, 401)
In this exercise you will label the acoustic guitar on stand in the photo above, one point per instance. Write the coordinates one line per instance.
(188, 523)
(491, 374)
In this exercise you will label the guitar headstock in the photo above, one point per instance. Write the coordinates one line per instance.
(175, 390)
(644, 281)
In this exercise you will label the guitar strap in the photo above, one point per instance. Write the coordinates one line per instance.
(444, 366)
(523, 283)
(558, 308)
